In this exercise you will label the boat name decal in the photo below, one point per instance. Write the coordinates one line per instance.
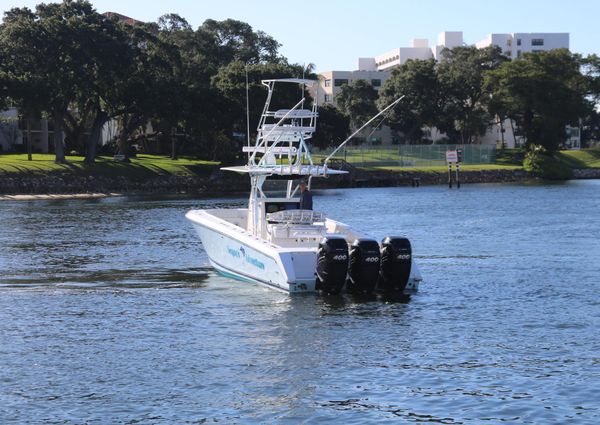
(241, 252)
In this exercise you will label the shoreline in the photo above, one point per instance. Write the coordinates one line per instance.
(51, 187)
(45, 196)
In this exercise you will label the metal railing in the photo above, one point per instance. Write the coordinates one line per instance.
(408, 155)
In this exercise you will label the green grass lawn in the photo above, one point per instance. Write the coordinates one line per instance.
(141, 166)
(587, 158)
(145, 166)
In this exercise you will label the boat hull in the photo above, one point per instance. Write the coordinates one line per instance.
(237, 254)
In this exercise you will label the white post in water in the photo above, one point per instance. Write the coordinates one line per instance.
(452, 158)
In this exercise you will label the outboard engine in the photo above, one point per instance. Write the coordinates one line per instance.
(396, 260)
(332, 264)
(363, 270)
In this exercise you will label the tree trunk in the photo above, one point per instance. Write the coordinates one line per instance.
(122, 150)
(173, 144)
(94, 137)
(503, 145)
(29, 157)
(59, 150)
(528, 128)
(512, 128)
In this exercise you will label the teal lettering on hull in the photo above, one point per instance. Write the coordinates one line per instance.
(238, 253)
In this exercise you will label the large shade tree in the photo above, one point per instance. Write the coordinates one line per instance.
(237, 41)
(544, 92)
(230, 82)
(460, 73)
(333, 127)
(416, 80)
(358, 101)
(100, 100)
(45, 55)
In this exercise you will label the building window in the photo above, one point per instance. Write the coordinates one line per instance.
(537, 42)
(327, 83)
(509, 42)
(518, 41)
(339, 81)
(376, 82)
(518, 53)
(327, 98)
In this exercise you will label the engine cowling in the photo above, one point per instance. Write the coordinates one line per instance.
(332, 264)
(363, 269)
(396, 260)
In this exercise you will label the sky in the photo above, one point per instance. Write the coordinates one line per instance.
(333, 34)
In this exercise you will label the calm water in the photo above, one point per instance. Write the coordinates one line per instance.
(109, 313)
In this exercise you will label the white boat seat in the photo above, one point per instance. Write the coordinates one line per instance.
(296, 217)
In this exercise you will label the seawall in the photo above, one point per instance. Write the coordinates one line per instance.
(222, 183)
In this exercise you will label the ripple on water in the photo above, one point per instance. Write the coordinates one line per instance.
(505, 328)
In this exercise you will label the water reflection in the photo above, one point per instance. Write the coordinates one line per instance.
(113, 278)
(505, 327)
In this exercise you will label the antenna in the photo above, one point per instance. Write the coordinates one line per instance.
(247, 107)
(303, 69)
(391, 105)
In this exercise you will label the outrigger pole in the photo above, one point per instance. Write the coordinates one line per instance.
(247, 107)
(391, 105)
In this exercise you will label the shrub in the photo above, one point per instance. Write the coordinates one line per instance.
(543, 164)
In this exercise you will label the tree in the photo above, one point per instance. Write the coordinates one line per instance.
(98, 101)
(544, 92)
(172, 22)
(461, 71)
(151, 89)
(47, 60)
(357, 101)
(230, 82)
(237, 41)
(333, 127)
(26, 91)
(3, 86)
(591, 72)
(417, 81)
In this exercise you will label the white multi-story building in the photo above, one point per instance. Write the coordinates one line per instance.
(418, 49)
(330, 82)
(378, 69)
(515, 44)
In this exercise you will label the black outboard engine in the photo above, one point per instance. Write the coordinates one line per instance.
(363, 271)
(396, 259)
(332, 264)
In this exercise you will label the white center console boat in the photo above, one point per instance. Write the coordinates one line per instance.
(274, 243)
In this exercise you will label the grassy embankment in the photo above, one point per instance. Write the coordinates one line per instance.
(148, 166)
(144, 166)
(512, 159)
